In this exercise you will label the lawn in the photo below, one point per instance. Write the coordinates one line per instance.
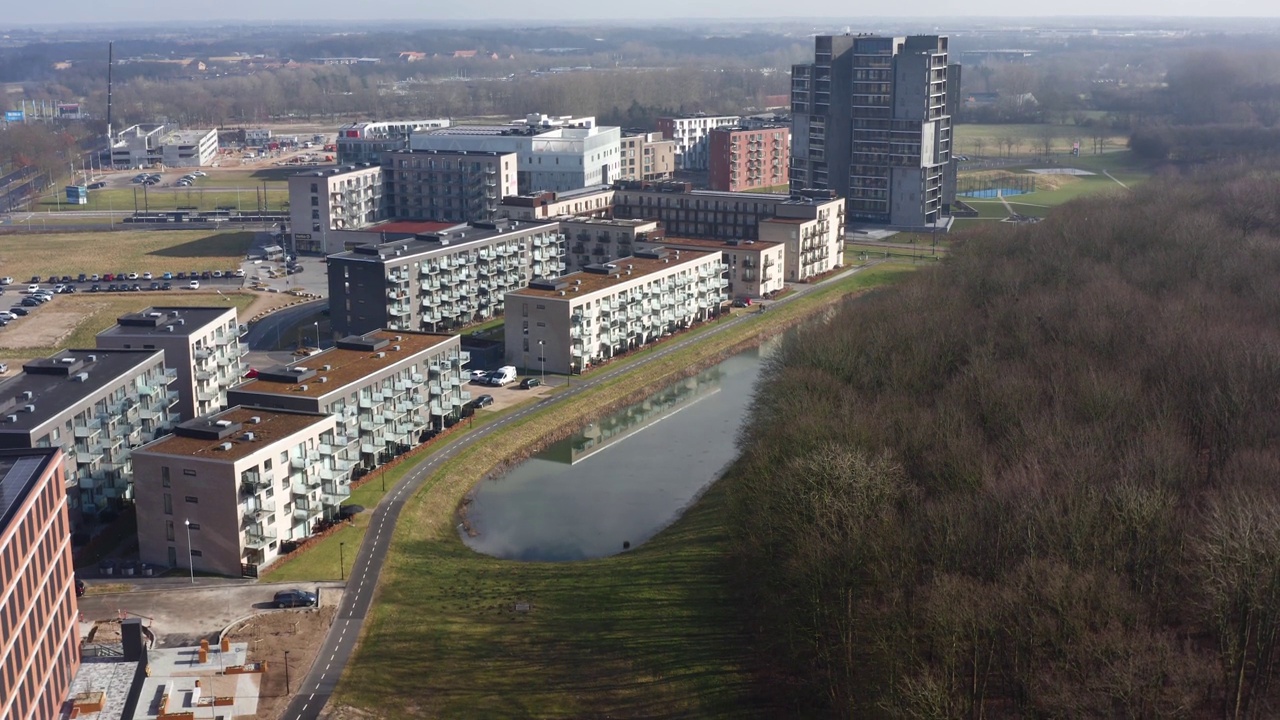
(1054, 190)
(651, 632)
(208, 194)
(155, 251)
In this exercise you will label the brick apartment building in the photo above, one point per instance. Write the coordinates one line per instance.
(39, 635)
(742, 159)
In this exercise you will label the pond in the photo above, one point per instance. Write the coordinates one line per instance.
(620, 480)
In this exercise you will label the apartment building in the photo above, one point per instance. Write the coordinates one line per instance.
(572, 323)
(40, 642)
(96, 406)
(341, 198)
(221, 492)
(369, 142)
(646, 156)
(729, 216)
(385, 389)
(742, 159)
(594, 201)
(754, 268)
(201, 346)
(556, 154)
(691, 134)
(443, 186)
(812, 235)
(158, 143)
(596, 241)
(443, 281)
(871, 121)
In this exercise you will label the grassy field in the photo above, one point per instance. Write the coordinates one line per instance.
(651, 632)
(1029, 139)
(155, 251)
(91, 313)
(208, 194)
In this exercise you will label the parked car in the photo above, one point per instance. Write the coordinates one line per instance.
(482, 401)
(108, 277)
(31, 301)
(33, 288)
(59, 288)
(113, 287)
(207, 274)
(96, 288)
(82, 278)
(6, 281)
(4, 368)
(6, 315)
(478, 376)
(155, 286)
(35, 279)
(167, 276)
(167, 286)
(238, 273)
(19, 311)
(181, 276)
(294, 598)
(133, 276)
(145, 276)
(193, 285)
(200, 173)
(96, 185)
(53, 279)
(528, 383)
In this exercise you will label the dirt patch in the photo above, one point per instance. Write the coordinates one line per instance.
(270, 634)
(1043, 182)
(266, 302)
(45, 327)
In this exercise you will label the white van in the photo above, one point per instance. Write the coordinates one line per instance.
(502, 376)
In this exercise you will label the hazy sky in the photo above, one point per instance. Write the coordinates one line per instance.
(18, 12)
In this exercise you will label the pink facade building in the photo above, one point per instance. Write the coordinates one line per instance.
(39, 635)
(741, 159)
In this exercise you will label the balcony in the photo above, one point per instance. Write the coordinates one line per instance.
(259, 537)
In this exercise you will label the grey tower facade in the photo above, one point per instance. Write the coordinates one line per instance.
(871, 121)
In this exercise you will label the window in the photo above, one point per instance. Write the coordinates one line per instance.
(168, 530)
(189, 472)
(168, 504)
(196, 553)
(194, 526)
(164, 477)
(192, 499)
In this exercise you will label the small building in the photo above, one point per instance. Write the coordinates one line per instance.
(77, 194)
(754, 268)
(595, 201)
(442, 281)
(40, 642)
(254, 137)
(570, 324)
(742, 159)
(691, 134)
(388, 391)
(339, 198)
(369, 142)
(445, 186)
(96, 405)
(201, 346)
(647, 156)
(598, 241)
(225, 490)
(160, 144)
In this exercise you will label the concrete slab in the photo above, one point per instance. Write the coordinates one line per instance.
(1061, 171)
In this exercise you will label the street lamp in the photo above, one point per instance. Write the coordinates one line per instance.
(542, 360)
(190, 553)
(342, 563)
(317, 325)
(286, 672)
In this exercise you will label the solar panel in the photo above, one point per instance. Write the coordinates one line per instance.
(14, 483)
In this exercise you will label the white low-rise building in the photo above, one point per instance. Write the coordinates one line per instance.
(160, 144)
(582, 319)
(340, 198)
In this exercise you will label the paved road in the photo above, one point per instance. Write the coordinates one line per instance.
(314, 691)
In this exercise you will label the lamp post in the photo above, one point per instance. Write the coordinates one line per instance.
(342, 563)
(190, 553)
(286, 672)
(542, 360)
(317, 326)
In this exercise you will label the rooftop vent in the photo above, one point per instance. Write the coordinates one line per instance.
(247, 437)
(222, 423)
(173, 313)
(300, 369)
(93, 358)
(395, 347)
(225, 446)
(379, 355)
(182, 321)
(302, 388)
(168, 328)
(255, 420)
(11, 418)
(29, 408)
(398, 338)
(326, 368)
(26, 394)
(322, 379)
(80, 377)
(67, 360)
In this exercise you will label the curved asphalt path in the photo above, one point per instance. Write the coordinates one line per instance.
(340, 642)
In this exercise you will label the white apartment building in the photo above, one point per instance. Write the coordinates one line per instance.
(387, 390)
(441, 281)
(555, 154)
(341, 198)
(596, 241)
(201, 346)
(572, 323)
(156, 144)
(97, 406)
(647, 156)
(594, 201)
(813, 235)
(369, 142)
(222, 492)
(755, 268)
(691, 137)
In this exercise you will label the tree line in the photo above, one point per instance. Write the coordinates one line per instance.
(1038, 481)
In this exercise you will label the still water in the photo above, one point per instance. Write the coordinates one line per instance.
(621, 479)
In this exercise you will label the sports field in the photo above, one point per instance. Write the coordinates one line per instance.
(155, 251)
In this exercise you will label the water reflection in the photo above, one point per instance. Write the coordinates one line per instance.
(619, 480)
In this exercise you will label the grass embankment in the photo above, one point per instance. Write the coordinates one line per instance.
(155, 251)
(649, 632)
(171, 198)
(1029, 139)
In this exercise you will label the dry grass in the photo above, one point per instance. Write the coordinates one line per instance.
(155, 251)
(74, 320)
